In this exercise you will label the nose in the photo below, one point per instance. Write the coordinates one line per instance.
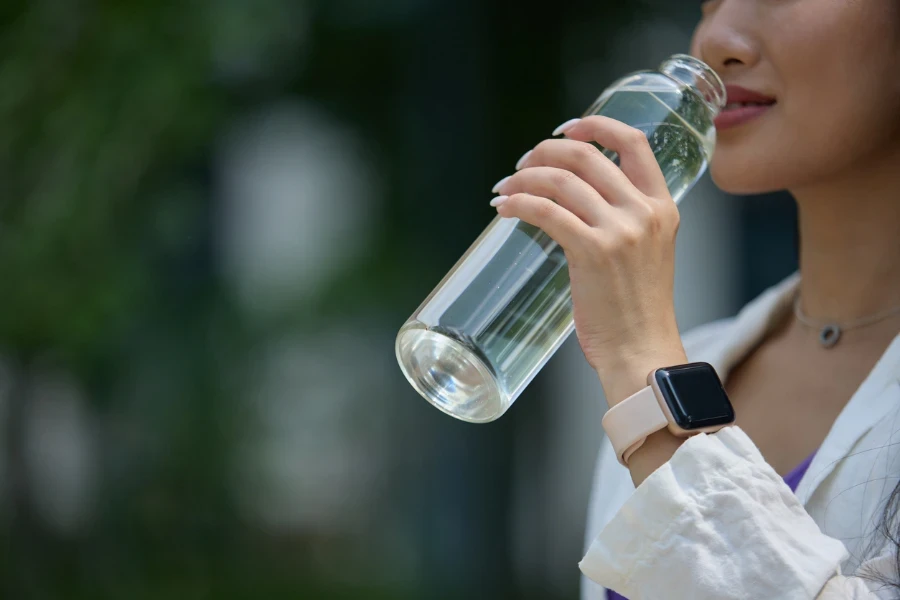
(725, 39)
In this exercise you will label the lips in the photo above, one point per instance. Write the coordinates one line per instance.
(742, 106)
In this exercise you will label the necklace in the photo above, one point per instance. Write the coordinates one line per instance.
(830, 333)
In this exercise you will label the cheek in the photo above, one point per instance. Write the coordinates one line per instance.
(842, 102)
(839, 99)
(760, 158)
(796, 148)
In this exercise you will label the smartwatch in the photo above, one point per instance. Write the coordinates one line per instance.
(686, 399)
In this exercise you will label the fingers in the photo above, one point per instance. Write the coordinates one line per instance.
(587, 162)
(565, 228)
(636, 159)
(562, 187)
(566, 188)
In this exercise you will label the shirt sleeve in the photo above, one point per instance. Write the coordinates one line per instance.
(717, 522)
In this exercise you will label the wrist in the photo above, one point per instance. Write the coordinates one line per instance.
(655, 452)
(628, 375)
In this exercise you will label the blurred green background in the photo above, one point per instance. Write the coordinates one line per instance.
(214, 216)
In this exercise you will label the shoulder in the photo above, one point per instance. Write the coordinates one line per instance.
(699, 338)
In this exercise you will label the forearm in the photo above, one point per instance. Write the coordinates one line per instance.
(716, 522)
(655, 452)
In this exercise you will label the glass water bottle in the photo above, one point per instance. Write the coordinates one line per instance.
(502, 311)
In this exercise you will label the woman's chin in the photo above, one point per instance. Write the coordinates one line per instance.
(742, 179)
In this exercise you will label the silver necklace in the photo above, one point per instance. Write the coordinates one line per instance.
(830, 333)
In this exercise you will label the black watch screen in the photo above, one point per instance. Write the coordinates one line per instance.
(695, 396)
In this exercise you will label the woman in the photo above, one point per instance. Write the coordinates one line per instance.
(711, 517)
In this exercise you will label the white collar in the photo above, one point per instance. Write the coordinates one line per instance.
(866, 407)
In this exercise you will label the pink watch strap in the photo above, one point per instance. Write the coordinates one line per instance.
(628, 423)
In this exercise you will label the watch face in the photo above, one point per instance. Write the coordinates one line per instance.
(695, 396)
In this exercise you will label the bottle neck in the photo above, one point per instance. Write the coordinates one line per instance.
(699, 78)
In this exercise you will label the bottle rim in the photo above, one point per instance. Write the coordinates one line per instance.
(702, 79)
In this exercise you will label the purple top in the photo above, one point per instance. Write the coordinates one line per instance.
(792, 479)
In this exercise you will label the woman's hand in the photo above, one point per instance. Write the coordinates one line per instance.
(617, 226)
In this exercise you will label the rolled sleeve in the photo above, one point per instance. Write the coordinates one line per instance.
(715, 522)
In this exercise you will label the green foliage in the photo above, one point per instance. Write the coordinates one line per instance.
(97, 101)
(109, 117)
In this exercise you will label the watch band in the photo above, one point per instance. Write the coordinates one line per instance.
(628, 423)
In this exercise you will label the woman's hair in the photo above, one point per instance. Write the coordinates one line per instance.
(891, 530)
(886, 535)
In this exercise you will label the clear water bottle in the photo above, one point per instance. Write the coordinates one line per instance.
(502, 311)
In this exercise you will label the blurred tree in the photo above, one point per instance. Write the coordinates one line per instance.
(109, 116)
(106, 119)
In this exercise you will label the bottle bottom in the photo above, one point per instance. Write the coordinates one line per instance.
(450, 375)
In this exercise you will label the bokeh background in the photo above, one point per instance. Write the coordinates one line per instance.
(214, 217)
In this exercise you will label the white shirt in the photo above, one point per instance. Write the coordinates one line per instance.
(717, 522)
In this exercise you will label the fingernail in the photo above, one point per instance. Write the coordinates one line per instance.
(565, 126)
(500, 183)
(499, 200)
(522, 160)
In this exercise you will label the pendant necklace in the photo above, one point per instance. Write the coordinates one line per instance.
(830, 333)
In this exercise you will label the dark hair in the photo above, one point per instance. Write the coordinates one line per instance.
(890, 529)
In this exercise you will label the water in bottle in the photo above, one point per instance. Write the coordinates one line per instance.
(505, 307)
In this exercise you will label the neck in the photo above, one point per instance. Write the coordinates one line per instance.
(850, 242)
